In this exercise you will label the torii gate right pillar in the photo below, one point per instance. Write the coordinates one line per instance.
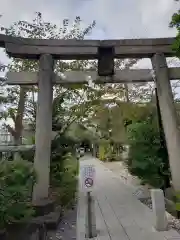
(169, 116)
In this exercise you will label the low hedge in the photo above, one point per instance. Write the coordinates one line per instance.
(16, 182)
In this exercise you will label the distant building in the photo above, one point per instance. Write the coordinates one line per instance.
(5, 137)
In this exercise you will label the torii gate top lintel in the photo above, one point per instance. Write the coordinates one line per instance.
(69, 49)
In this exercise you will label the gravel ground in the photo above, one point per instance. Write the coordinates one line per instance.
(172, 221)
(120, 169)
(67, 227)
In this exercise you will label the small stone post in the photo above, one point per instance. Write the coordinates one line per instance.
(43, 127)
(169, 116)
(159, 210)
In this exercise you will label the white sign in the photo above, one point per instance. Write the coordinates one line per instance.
(88, 177)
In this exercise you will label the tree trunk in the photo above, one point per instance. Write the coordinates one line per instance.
(16, 132)
(126, 91)
(19, 116)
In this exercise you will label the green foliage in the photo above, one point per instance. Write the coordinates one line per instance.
(147, 159)
(20, 103)
(68, 186)
(109, 151)
(64, 178)
(64, 168)
(112, 122)
(175, 22)
(60, 147)
(28, 155)
(16, 181)
(102, 151)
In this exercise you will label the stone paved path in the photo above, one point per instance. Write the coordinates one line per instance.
(119, 215)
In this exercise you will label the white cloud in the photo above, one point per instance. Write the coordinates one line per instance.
(115, 18)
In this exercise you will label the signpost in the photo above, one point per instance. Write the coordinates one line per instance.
(88, 177)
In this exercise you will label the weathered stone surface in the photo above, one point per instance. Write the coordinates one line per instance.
(169, 116)
(71, 77)
(158, 206)
(50, 220)
(44, 207)
(106, 61)
(26, 231)
(84, 49)
(119, 215)
(20, 148)
(43, 128)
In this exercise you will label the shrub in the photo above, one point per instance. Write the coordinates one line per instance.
(64, 178)
(110, 152)
(146, 156)
(102, 152)
(175, 22)
(69, 180)
(16, 181)
(64, 169)
(28, 155)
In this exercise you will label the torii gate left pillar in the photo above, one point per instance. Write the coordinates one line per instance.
(43, 127)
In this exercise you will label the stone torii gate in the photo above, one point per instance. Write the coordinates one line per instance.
(105, 51)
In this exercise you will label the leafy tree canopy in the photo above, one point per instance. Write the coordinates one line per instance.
(175, 22)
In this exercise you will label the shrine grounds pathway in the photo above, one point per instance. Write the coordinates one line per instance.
(119, 215)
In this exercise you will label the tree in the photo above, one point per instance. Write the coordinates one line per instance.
(71, 104)
(147, 158)
(84, 98)
(19, 102)
(175, 22)
(64, 113)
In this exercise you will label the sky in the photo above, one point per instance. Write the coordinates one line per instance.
(116, 19)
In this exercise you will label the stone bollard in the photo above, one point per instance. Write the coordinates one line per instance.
(158, 206)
